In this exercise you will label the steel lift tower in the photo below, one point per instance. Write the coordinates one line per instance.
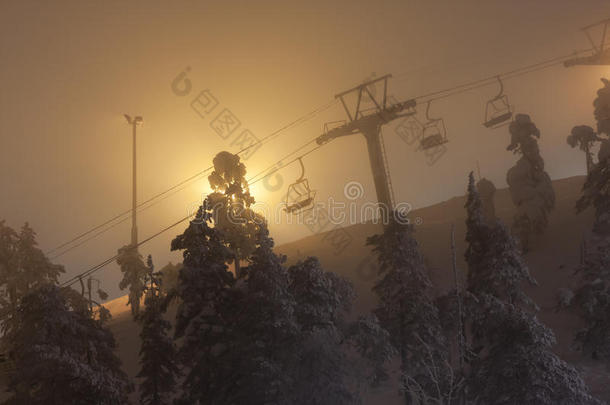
(368, 122)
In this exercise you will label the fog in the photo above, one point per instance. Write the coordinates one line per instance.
(71, 70)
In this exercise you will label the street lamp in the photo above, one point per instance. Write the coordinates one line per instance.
(134, 122)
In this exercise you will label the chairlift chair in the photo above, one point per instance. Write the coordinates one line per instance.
(300, 196)
(498, 110)
(434, 132)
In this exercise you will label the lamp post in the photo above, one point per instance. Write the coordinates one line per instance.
(134, 122)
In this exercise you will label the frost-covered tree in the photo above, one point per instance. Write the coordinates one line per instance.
(157, 351)
(263, 344)
(374, 346)
(230, 204)
(530, 186)
(495, 266)
(169, 277)
(513, 362)
(62, 355)
(584, 137)
(264, 334)
(487, 191)
(204, 285)
(323, 374)
(596, 192)
(407, 311)
(592, 297)
(134, 274)
(23, 268)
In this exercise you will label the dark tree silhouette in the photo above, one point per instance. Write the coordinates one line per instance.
(230, 205)
(322, 298)
(495, 266)
(487, 191)
(584, 137)
(262, 348)
(512, 361)
(530, 186)
(203, 288)
(266, 334)
(134, 275)
(158, 360)
(592, 297)
(62, 355)
(407, 311)
(23, 268)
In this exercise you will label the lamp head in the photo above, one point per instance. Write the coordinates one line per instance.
(133, 121)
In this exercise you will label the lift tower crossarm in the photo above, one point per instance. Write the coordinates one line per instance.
(599, 55)
(369, 125)
(600, 47)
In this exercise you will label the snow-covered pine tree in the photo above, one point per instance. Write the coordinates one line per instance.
(593, 295)
(230, 205)
(23, 268)
(134, 273)
(530, 186)
(584, 137)
(169, 277)
(62, 355)
(323, 374)
(495, 265)
(264, 334)
(263, 345)
(157, 351)
(513, 362)
(204, 283)
(487, 190)
(372, 342)
(407, 311)
(596, 190)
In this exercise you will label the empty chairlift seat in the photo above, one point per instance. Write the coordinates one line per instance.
(498, 110)
(434, 132)
(299, 197)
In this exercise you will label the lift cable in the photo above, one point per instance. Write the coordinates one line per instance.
(99, 266)
(475, 84)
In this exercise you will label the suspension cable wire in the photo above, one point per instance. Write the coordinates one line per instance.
(124, 219)
(464, 87)
(99, 266)
(80, 236)
(279, 164)
(262, 141)
(285, 164)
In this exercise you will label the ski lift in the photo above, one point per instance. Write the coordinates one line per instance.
(434, 132)
(300, 196)
(498, 110)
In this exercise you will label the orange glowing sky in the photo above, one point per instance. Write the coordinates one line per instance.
(71, 69)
